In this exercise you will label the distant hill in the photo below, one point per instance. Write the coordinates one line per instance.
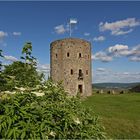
(135, 88)
(114, 85)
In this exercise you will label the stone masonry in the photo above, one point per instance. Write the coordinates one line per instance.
(71, 64)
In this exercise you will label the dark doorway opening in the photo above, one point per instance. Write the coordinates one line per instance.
(80, 88)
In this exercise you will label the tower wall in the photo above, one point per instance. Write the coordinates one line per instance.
(71, 64)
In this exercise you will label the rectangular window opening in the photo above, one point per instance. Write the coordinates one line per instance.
(80, 75)
(80, 72)
(68, 54)
(71, 71)
(80, 55)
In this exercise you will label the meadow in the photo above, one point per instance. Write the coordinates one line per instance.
(120, 114)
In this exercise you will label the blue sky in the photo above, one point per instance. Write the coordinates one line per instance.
(113, 28)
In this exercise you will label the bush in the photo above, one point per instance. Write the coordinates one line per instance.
(51, 116)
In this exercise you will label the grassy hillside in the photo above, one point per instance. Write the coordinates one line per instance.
(120, 114)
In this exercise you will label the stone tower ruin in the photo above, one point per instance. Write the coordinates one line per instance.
(71, 64)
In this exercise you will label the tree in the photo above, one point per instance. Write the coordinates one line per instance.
(27, 51)
(21, 74)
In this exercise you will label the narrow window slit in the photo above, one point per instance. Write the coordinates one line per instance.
(71, 71)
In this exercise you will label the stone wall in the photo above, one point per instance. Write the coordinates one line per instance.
(68, 56)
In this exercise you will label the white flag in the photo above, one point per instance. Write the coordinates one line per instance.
(73, 21)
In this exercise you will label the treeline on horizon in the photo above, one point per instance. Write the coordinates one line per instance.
(132, 87)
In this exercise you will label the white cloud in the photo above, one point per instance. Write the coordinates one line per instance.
(101, 69)
(113, 76)
(45, 68)
(102, 56)
(64, 28)
(86, 34)
(121, 32)
(136, 50)
(126, 73)
(125, 53)
(16, 33)
(135, 58)
(100, 38)
(119, 27)
(60, 29)
(123, 50)
(10, 58)
(126, 76)
(117, 48)
(3, 34)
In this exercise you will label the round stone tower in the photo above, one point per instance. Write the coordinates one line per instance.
(71, 64)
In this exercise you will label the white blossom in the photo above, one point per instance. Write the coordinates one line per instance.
(77, 121)
(38, 93)
(21, 88)
(8, 92)
(52, 133)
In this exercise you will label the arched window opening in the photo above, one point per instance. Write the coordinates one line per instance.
(56, 55)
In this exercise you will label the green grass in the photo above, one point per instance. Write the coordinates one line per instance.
(120, 114)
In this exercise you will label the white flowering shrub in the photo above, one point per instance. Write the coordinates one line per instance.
(53, 115)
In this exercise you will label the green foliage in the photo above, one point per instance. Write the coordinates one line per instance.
(22, 75)
(27, 51)
(51, 116)
(24, 115)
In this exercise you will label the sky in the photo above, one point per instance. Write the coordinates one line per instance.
(113, 28)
